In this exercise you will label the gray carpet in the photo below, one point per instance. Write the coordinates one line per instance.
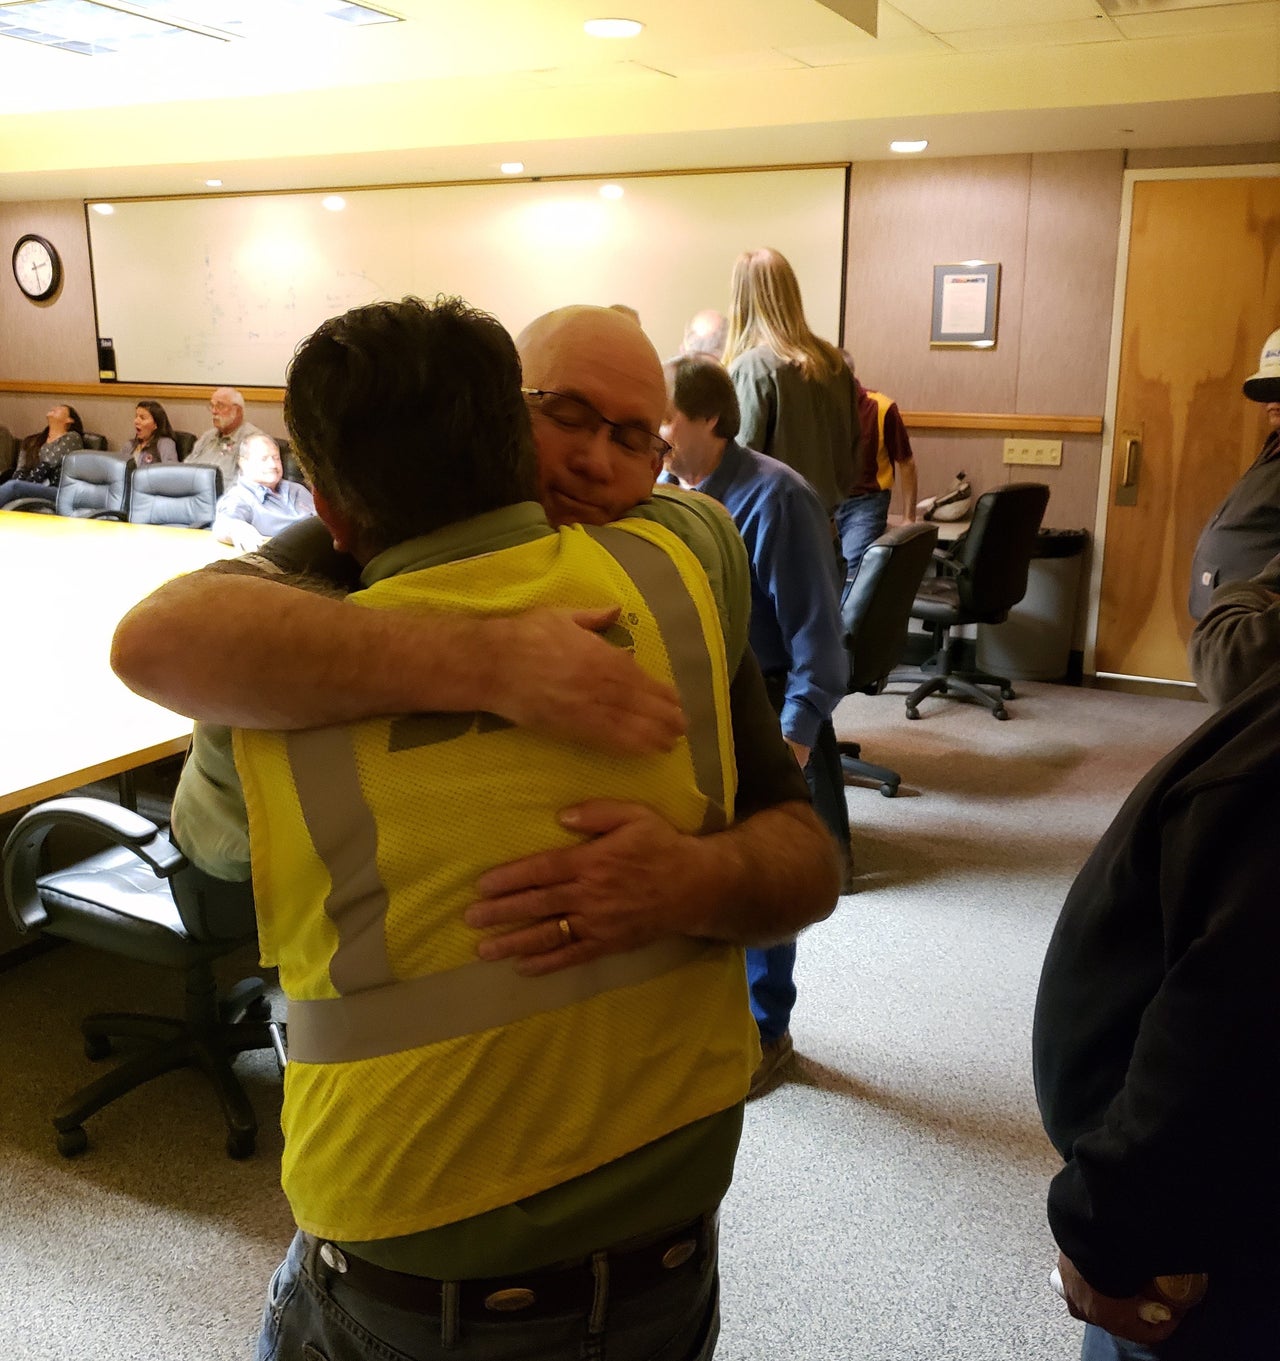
(889, 1196)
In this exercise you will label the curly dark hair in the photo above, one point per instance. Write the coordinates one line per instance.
(407, 416)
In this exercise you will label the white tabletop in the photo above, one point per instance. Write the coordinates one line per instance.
(65, 584)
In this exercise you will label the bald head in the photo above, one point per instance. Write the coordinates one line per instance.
(705, 333)
(601, 358)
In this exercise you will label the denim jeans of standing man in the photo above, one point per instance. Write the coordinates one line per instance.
(860, 520)
(312, 1315)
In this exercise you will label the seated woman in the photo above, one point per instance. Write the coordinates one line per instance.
(152, 440)
(40, 459)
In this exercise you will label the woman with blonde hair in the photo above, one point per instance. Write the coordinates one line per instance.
(794, 389)
(797, 404)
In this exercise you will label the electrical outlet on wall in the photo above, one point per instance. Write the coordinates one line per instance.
(1045, 453)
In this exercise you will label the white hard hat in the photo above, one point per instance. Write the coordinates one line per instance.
(1264, 386)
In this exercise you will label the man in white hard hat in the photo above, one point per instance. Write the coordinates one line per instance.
(1243, 534)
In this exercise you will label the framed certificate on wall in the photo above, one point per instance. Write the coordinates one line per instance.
(966, 306)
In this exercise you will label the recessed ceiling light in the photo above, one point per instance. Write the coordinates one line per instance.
(610, 191)
(213, 184)
(613, 28)
(512, 167)
(906, 148)
(334, 202)
(106, 209)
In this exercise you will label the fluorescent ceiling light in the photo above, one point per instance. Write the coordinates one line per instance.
(106, 209)
(82, 27)
(334, 202)
(610, 191)
(613, 28)
(512, 167)
(99, 27)
(908, 148)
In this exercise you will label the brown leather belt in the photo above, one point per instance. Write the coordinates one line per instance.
(570, 1288)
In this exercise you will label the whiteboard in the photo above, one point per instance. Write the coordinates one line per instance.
(221, 289)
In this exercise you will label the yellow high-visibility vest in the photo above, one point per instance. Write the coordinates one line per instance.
(425, 1086)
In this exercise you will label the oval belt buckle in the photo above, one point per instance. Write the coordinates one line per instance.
(679, 1253)
(508, 1301)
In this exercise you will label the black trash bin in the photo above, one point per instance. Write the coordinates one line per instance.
(1034, 643)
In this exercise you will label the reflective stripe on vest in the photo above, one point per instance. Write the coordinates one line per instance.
(463, 1001)
(658, 579)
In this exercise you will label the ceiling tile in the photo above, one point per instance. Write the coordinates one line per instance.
(1072, 32)
(953, 16)
(1211, 19)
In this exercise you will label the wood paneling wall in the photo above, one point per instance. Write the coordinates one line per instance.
(1051, 221)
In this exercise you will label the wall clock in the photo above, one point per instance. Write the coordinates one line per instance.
(36, 267)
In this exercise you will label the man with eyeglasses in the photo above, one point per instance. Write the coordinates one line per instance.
(596, 394)
(221, 446)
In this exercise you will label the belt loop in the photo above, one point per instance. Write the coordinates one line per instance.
(600, 1297)
(449, 1292)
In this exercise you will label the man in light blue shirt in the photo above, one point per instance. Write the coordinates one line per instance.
(261, 503)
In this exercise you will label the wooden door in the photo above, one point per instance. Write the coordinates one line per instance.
(1202, 293)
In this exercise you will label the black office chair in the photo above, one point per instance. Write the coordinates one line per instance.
(174, 494)
(139, 898)
(184, 441)
(90, 485)
(979, 581)
(8, 449)
(95, 443)
(876, 613)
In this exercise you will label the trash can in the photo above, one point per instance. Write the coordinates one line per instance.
(1034, 643)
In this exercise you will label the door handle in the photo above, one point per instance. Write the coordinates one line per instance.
(1130, 468)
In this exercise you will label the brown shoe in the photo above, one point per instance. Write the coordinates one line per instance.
(775, 1055)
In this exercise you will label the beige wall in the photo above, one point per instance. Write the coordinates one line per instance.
(1052, 223)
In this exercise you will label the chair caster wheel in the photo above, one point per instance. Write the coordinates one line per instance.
(1006, 692)
(96, 1047)
(1001, 713)
(73, 1141)
(912, 713)
(240, 1144)
(888, 790)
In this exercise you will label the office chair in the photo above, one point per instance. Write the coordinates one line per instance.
(94, 443)
(174, 494)
(184, 441)
(876, 613)
(979, 581)
(90, 485)
(141, 899)
(8, 449)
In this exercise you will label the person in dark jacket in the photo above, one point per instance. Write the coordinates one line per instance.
(1156, 1049)
(1243, 534)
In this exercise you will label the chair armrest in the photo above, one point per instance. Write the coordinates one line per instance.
(33, 505)
(119, 826)
(106, 515)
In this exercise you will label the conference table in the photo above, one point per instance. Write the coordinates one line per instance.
(66, 583)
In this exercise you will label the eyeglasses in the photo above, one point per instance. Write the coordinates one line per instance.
(572, 413)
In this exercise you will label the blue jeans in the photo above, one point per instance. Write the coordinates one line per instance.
(16, 490)
(860, 520)
(1234, 1322)
(307, 1319)
(773, 991)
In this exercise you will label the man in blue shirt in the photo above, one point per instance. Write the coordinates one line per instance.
(261, 503)
(796, 633)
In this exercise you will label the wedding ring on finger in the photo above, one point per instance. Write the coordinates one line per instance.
(566, 931)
